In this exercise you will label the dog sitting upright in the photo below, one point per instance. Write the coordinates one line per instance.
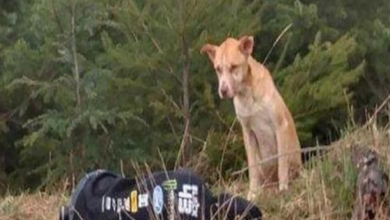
(267, 125)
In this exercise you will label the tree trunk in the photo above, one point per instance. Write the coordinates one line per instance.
(185, 150)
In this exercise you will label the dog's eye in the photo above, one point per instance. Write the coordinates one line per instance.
(218, 69)
(233, 68)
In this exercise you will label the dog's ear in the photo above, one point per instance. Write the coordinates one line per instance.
(210, 50)
(246, 45)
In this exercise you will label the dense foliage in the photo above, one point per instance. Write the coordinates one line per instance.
(102, 84)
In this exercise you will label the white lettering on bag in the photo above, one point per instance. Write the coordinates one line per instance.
(114, 204)
(188, 200)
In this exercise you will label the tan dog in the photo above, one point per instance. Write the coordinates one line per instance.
(267, 125)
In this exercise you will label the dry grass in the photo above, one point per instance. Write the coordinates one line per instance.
(325, 190)
(39, 206)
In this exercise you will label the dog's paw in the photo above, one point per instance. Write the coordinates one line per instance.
(283, 186)
(251, 196)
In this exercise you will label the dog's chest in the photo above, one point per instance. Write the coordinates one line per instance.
(259, 119)
(252, 113)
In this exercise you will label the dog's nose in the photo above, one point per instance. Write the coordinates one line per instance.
(224, 90)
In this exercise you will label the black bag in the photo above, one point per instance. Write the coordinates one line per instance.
(168, 195)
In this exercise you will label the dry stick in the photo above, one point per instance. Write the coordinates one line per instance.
(56, 17)
(122, 170)
(276, 41)
(74, 53)
(327, 214)
(182, 145)
(173, 130)
(305, 150)
(186, 66)
(226, 142)
(162, 159)
(369, 122)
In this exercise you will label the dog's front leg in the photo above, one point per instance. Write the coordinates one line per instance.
(253, 169)
(283, 164)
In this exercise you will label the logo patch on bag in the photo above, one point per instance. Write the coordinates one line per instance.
(169, 185)
(158, 201)
(134, 203)
(143, 200)
(188, 200)
(110, 204)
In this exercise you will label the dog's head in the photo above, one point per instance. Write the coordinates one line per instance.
(230, 60)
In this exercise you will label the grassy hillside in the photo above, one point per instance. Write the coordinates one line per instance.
(325, 190)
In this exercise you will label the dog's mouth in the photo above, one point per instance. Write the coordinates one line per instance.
(227, 92)
(226, 95)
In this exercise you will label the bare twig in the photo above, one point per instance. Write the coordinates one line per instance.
(155, 43)
(186, 68)
(305, 114)
(226, 142)
(304, 150)
(122, 170)
(174, 104)
(377, 110)
(172, 72)
(162, 159)
(173, 130)
(74, 53)
(56, 17)
(182, 145)
(276, 41)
